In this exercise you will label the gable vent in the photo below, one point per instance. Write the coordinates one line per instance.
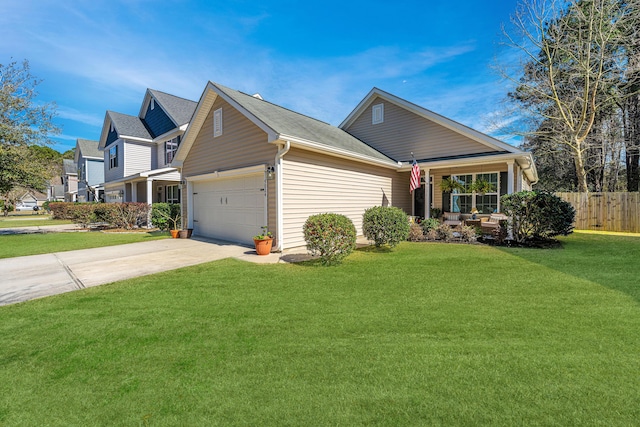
(377, 114)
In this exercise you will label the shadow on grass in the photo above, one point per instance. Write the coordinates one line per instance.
(610, 261)
(375, 249)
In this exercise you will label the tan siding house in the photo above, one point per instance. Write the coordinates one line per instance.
(249, 163)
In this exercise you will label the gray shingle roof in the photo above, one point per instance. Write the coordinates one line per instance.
(127, 125)
(180, 109)
(287, 122)
(70, 167)
(89, 148)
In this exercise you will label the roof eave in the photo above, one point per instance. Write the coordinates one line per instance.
(325, 149)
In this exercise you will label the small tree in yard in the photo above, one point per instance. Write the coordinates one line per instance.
(537, 215)
(166, 216)
(385, 225)
(332, 236)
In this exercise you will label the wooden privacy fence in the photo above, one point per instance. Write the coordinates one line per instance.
(605, 211)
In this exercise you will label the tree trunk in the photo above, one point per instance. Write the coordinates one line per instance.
(581, 172)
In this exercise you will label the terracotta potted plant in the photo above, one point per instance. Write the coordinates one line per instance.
(172, 214)
(263, 242)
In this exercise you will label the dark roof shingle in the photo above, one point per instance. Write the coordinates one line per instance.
(180, 109)
(127, 125)
(290, 123)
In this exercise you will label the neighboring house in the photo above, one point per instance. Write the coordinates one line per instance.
(90, 161)
(55, 190)
(138, 150)
(249, 163)
(70, 180)
(32, 198)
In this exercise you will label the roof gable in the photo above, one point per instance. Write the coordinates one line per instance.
(491, 144)
(88, 149)
(281, 123)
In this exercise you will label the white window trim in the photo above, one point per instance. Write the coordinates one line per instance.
(172, 188)
(474, 194)
(377, 114)
(217, 123)
(173, 150)
(153, 103)
(113, 160)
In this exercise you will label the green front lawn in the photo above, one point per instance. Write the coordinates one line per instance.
(428, 334)
(33, 244)
(30, 221)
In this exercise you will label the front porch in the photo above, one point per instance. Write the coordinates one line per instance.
(504, 177)
(149, 187)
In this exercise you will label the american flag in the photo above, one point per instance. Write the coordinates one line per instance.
(415, 177)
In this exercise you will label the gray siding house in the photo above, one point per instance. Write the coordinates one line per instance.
(249, 163)
(70, 180)
(90, 162)
(138, 150)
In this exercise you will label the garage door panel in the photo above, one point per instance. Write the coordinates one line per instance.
(229, 209)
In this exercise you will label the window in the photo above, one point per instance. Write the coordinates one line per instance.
(377, 114)
(461, 200)
(173, 194)
(153, 103)
(217, 122)
(113, 157)
(464, 200)
(170, 148)
(488, 202)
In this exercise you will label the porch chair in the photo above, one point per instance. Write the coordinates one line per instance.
(492, 223)
(452, 219)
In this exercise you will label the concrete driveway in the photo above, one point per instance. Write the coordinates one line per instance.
(29, 277)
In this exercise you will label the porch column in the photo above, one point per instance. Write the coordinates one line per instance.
(149, 200)
(149, 191)
(510, 177)
(427, 193)
(134, 191)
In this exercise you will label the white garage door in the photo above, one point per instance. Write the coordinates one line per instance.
(230, 209)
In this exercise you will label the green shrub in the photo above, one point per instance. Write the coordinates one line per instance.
(105, 212)
(82, 214)
(537, 215)
(332, 236)
(415, 233)
(429, 224)
(61, 210)
(435, 213)
(166, 216)
(385, 225)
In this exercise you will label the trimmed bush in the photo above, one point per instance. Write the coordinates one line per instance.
(330, 235)
(166, 216)
(415, 233)
(537, 215)
(61, 210)
(385, 225)
(429, 224)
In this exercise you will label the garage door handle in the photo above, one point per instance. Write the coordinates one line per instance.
(225, 201)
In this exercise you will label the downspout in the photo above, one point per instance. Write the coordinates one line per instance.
(279, 211)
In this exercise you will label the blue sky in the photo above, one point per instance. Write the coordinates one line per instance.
(319, 59)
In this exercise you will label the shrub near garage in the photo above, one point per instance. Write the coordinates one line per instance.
(332, 236)
(385, 225)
